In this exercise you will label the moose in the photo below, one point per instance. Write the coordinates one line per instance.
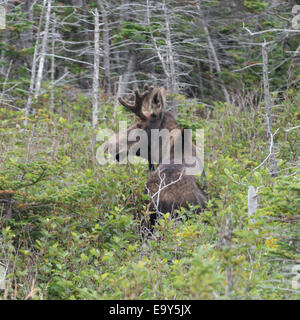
(169, 185)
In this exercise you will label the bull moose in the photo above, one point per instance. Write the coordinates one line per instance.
(168, 185)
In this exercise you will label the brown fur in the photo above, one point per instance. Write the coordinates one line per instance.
(185, 191)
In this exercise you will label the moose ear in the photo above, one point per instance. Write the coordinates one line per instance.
(146, 102)
(158, 100)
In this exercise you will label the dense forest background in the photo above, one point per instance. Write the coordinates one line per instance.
(69, 228)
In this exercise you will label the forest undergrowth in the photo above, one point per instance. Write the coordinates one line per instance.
(70, 227)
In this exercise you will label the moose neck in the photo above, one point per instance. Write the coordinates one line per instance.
(179, 151)
(164, 150)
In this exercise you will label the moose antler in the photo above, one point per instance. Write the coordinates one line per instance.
(136, 108)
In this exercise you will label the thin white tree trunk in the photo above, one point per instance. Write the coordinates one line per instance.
(167, 60)
(43, 51)
(156, 48)
(106, 47)
(6, 78)
(119, 94)
(96, 70)
(171, 63)
(252, 202)
(33, 69)
(52, 64)
(200, 79)
(123, 81)
(272, 160)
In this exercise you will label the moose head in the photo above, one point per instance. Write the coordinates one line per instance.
(146, 137)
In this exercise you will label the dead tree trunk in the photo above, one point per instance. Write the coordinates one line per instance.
(43, 51)
(52, 65)
(33, 69)
(171, 62)
(272, 160)
(252, 202)
(167, 60)
(96, 70)
(6, 78)
(106, 47)
(123, 82)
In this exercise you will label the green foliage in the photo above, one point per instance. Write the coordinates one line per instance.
(73, 231)
(255, 5)
(70, 228)
(16, 21)
(132, 31)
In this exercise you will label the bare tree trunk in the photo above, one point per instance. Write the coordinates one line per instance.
(106, 47)
(164, 62)
(171, 63)
(52, 64)
(156, 48)
(123, 82)
(96, 70)
(213, 52)
(119, 94)
(272, 160)
(128, 74)
(43, 51)
(252, 202)
(33, 69)
(86, 32)
(200, 80)
(6, 78)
